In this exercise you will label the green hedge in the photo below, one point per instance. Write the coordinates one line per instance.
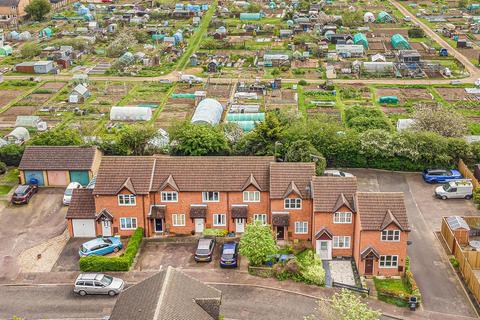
(120, 263)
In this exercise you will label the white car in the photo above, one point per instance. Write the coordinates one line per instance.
(67, 196)
(336, 173)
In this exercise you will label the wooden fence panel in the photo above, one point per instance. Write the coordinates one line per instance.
(467, 271)
(465, 171)
(447, 235)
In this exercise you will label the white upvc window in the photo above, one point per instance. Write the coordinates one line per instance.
(388, 262)
(126, 200)
(341, 242)
(219, 220)
(210, 196)
(292, 203)
(251, 196)
(262, 217)
(391, 235)
(128, 223)
(169, 196)
(301, 227)
(178, 219)
(342, 217)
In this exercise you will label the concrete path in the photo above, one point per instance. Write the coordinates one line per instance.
(342, 272)
(328, 273)
(441, 290)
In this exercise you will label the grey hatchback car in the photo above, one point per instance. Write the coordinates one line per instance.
(98, 283)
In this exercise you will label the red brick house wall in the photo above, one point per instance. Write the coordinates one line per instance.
(303, 214)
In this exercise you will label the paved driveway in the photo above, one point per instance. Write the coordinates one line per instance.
(25, 226)
(440, 288)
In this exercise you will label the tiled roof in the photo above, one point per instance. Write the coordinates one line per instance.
(374, 206)
(168, 295)
(239, 212)
(82, 204)
(327, 190)
(114, 172)
(57, 158)
(198, 212)
(280, 219)
(157, 212)
(283, 173)
(211, 173)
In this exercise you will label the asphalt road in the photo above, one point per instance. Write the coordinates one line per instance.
(59, 302)
(440, 287)
(25, 226)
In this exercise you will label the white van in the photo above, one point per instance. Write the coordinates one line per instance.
(456, 189)
(67, 196)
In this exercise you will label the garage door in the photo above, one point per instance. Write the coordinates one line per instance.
(80, 177)
(34, 175)
(57, 178)
(83, 228)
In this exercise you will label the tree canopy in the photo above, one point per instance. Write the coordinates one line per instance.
(445, 122)
(257, 243)
(38, 9)
(57, 137)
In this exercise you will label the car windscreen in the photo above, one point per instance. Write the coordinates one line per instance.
(68, 192)
(228, 253)
(446, 187)
(108, 241)
(106, 280)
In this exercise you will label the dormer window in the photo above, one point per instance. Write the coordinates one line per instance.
(126, 200)
(251, 196)
(390, 235)
(210, 196)
(342, 217)
(169, 196)
(293, 203)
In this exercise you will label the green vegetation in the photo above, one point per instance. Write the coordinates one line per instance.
(5, 189)
(454, 262)
(215, 232)
(393, 291)
(120, 263)
(305, 267)
(257, 243)
(38, 9)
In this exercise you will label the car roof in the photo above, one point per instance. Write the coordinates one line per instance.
(229, 245)
(94, 242)
(22, 188)
(437, 170)
(204, 243)
(89, 276)
(72, 185)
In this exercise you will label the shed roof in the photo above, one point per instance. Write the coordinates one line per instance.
(57, 158)
(457, 222)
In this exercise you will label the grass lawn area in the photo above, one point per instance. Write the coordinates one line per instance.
(11, 176)
(394, 287)
(5, 189)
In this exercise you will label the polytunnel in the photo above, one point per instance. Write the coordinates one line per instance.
(18, 135)
(246, 116)
(208, 111)
(130, 114)
(368, 17)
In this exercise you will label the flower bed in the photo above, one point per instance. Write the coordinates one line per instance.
(120, 263)
(305, 267)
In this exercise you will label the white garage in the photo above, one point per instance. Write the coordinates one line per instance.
(83, 228)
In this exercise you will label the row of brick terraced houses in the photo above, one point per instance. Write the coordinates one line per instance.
(184, 195)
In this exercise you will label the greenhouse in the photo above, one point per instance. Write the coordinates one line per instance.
(368, 17)
(246, 116)
(360, 38)
(129, 113)
(245, 125)
(18, 135)
(27, 121)
(473, 6)
(25, 36)
(388, 100)
(399, 43)
(208, 111)
(6, 51)
(384, 17)
(250, 16)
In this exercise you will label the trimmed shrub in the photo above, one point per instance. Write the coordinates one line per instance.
(215, 232)
(454, 262)
(121, 263)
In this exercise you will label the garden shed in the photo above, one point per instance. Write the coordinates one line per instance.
(208, 111)
(59, 165)
(360, 38)
(368, 17)
(130, 113)
(18, 135)
(384, 17)
(6, 51)
(24, 36)
(46, 33)
(399, 43)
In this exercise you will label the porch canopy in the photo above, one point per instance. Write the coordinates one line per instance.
(157, 212)
(239, 211)
(280, 219)
(198, 211)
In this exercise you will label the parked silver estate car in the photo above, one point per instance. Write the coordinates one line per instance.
(98, 283)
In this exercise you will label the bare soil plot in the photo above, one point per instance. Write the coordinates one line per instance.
(54, 86)
(333, 112)
(455, 94)
(388, 33)
(281, 97)
(404, 94)
(470, 53)
(109, 94)
(8, 95)
(394, 110)
(19, 111)
(172, 113)
(35, 99)
(219, 91)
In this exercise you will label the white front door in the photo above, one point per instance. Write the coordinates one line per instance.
(239, 225)
(106, 228)
(199, 225)
(324, 249)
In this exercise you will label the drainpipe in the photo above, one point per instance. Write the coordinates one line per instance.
(227, 214)
(147, 229)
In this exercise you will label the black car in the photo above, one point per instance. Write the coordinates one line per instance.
(23, 193)
(205, 248)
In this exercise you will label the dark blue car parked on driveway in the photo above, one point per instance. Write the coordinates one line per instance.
(229, 256)
(440, 175)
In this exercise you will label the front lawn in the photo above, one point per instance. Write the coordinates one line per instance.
(5, 189)
(393, 291)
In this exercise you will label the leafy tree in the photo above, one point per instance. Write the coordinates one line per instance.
(57, 137)
(197, 140)
(11, 154)
(38, 9)
(416, 33)
(445, 122)
(135, 138)
(463, 3)
(257, 243)
(346, 305)
(304, 151)
(30, 50)
(121, 44)
(254, 8)
(352, 19)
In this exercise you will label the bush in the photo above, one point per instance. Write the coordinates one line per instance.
(302, 83)
(3, 167)
(215, 232)
(476, 197)
(314, 274)
(11, 154)
(454, 262)
(121, 263)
